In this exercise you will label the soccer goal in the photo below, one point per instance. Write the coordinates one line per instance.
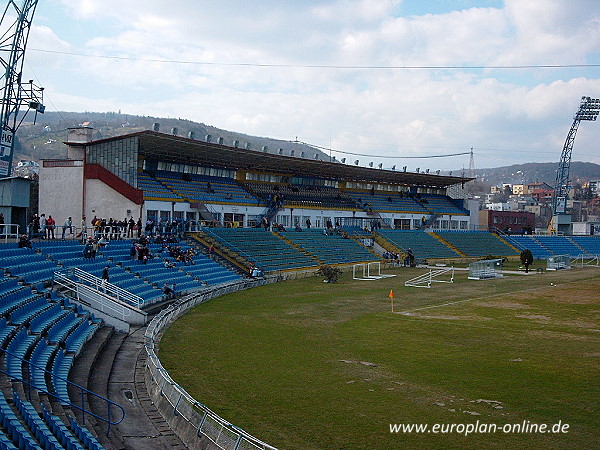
(368, 271)
(586, 260)
(433, 276)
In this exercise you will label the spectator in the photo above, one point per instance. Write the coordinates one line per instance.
(168, 290)
(149, 227)
(88, 250)
(133, 251)
(410, 258)
(83, 232)
(130, 227)
(103, 242)
(24, 241)
(1, 223)
(34, 226)
(50, 226)
(68, 224)
(138, 227)
(105, 276)
(42, 227)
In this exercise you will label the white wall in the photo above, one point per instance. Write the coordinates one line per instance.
(104, 202)
(61, 193)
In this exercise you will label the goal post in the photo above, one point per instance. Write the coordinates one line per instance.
(369, 271)
(433, 276)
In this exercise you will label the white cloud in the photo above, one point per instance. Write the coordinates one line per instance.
(364, 110)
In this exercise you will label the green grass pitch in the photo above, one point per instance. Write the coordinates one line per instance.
(309, 365)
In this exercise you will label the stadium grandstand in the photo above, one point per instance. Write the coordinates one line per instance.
(192, 220)
(157, 176)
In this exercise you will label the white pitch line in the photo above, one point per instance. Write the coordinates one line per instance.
(408, 311)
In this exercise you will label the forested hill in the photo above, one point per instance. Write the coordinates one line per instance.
(580, 172)
(44, 140)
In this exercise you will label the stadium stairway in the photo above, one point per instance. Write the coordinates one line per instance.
(447, 244)
(113, 364)
(222, 254)
(503, 238)
(295, 245)
(388, 245)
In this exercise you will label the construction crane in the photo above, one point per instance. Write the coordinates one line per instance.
(561, 221)
(14, 32)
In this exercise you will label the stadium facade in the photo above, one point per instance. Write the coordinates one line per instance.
(166, 177)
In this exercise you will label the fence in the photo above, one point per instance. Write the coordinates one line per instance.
(9, 231)
(98, 284)
(206, 422)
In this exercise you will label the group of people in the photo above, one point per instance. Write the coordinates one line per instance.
(408, 261)
(92, 245)
(178, 254)
(115, 229)
(141, 252)
(254, 271)
(44, 227)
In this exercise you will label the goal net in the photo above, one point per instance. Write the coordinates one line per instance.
(368, 271)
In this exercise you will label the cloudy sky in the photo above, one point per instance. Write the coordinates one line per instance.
(384, 78)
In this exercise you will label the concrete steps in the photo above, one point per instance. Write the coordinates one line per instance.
(113, 366)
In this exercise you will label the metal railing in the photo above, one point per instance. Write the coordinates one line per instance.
(64, 279)
(82, 391)
(9, 231)
(206, 422)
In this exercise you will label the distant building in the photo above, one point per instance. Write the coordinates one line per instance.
(537, 186)
(500, 189)
(520, 189)
(594, 186)
(508, 221)
(542, 195)
(507, 206)
(26, 169)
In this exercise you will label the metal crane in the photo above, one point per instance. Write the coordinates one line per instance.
(14, 32)
(588, 110)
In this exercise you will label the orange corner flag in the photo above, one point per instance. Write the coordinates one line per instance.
(391, 293)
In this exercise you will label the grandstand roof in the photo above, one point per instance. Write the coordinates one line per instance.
(190, 151)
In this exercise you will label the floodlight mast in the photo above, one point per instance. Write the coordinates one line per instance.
(14, 32)
(588, 110)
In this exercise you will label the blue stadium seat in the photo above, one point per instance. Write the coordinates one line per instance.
(19, 435)
(35, 423)
(84, 435)
(60, 430)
